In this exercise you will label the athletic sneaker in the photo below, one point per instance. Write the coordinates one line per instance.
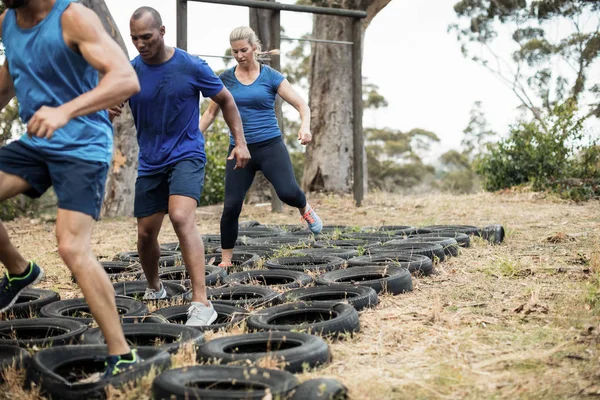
(200, 315)
(312, 219)
(12, 286)
(151, 294)
(117, 364)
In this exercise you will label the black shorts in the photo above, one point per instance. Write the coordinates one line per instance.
(78, 184)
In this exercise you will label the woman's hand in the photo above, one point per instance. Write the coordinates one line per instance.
(304, 136)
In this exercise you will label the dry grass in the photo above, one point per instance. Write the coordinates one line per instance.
(520, 320)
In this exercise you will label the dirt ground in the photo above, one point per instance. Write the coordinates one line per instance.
(519, 320)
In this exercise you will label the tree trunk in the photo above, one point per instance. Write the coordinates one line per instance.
(329, 159)
(266, 25)
(119, 193)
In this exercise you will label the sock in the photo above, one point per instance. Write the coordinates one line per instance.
(24, 274)
(127, 357)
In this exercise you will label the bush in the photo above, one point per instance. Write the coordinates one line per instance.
(549, 154)
(216, 147)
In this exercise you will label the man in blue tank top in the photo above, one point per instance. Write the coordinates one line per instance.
(171, 160)
(54, 51)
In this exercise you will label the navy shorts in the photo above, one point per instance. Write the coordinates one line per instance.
(183, 178)
(78, 184)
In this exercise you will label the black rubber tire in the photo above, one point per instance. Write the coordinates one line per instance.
(462, 239)
(325, 318)
(493, 233)
(121, 270)
(320, 389)
(288, 228)
(136, 289)
(249, 224)
(54, 370)
(142, 335)
(347, 243)
(369, 236)
(415, 263)
(30, 301)
(260, 232)
(243, 296)
(261, 251)
(450, 245)
(397, 230)
(278, 241)
(467, 229)
(358, 297)
(433, 251)
(283, 279)
(167, 258)
(228, 316)
(391, 278)
(65, 308)
(305, 263)
(179, 275)
(298, 351)
(343, 253)
(171, 246)
(40, 332)
(219, 382)
(239, 260)
(12, 356)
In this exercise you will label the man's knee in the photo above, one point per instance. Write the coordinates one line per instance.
(181, 218)
(73, 251)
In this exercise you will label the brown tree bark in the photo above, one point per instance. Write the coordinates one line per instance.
(120, 186)
(329, 159)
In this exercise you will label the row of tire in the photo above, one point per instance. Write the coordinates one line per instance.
(307, 311)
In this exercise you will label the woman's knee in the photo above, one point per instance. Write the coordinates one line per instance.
(232, 210)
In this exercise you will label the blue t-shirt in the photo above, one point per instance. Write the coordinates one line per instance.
(166, 111)
(256, 103)
(46, 72)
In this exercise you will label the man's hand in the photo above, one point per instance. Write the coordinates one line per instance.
(46, 121)
(115, 111)
(241, 155)
(304, 136)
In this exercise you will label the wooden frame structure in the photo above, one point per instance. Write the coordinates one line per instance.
(275, 28)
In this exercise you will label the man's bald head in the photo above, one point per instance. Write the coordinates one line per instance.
(140, 12)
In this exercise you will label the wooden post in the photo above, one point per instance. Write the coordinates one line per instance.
(357, 111)
(182, 24)
(267, 25)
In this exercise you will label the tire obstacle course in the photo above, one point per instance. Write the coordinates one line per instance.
(298, 290)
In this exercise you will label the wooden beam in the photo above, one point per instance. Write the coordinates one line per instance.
(271, 5)
(182, 24)
(357, 111)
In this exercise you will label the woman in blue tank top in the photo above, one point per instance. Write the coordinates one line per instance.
(254, 87)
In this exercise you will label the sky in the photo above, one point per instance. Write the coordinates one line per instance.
(408, 53)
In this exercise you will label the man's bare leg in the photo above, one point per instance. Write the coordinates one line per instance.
(148, 247)
(181, 213)
(73, 231)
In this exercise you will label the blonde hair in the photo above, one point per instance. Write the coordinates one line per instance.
(246, 33)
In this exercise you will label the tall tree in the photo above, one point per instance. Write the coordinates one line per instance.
(329, 160)
(556, 44)
(119, 194)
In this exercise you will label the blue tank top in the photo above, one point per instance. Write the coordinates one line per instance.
(46, 72)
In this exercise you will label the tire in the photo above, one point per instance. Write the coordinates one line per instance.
(136, 289)
(320, 389)
(369, 236)
(260, 232)
(467, 229)
(216, 382)
(30, 301)
(249, 224)
(40, 332)
(493, 233)
(240, 260)
(414, 263)
(432, 251)
(282, 279)
(172, 336)
(343, 253)
(69, 309)
(397, 230)
(261, 251)
(298, 351)
(121, 270)
(278, 242)
(347, 243)
(179, 275)
(462, 239)
(167, 258)
(393, 279)
(243, 296)
(228, 316)
(305, 263)
(328, 318)
(358, 297)
(450, 245)
(12, 356)
(55, 370)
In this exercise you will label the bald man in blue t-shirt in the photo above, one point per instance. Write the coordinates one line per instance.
(171, 161)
